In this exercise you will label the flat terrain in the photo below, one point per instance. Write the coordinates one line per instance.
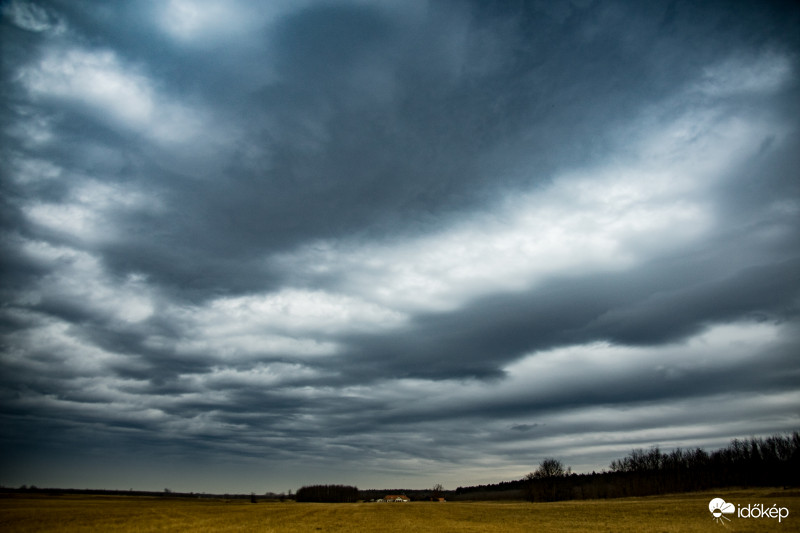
(681, 512)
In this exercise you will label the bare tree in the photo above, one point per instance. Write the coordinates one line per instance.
(550, 467)
(544, 482)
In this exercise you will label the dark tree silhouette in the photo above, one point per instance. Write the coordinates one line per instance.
(771, 461)
(437, 491)
(550, 467)
(327, 494)
(547, 482)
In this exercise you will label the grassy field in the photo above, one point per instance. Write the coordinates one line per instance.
(681, 512)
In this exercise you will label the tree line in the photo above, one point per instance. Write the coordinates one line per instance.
(327, 494)
(771, 461)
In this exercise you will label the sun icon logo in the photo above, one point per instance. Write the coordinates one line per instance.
(719, 508)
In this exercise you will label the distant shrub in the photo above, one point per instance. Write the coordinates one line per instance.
(327, 494)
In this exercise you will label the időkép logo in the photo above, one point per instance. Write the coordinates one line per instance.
(719, 508)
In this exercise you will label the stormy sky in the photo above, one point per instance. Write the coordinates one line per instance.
(248, 246)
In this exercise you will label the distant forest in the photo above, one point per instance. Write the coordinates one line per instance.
(327, 494)
(772, 461)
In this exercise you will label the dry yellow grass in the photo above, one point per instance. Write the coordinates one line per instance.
(684, 512)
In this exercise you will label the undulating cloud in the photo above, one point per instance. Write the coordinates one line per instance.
(247, 247)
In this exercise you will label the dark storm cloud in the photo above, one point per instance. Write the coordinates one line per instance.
(321, 230)
(370, 122)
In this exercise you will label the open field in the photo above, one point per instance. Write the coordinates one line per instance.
(681, 512)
